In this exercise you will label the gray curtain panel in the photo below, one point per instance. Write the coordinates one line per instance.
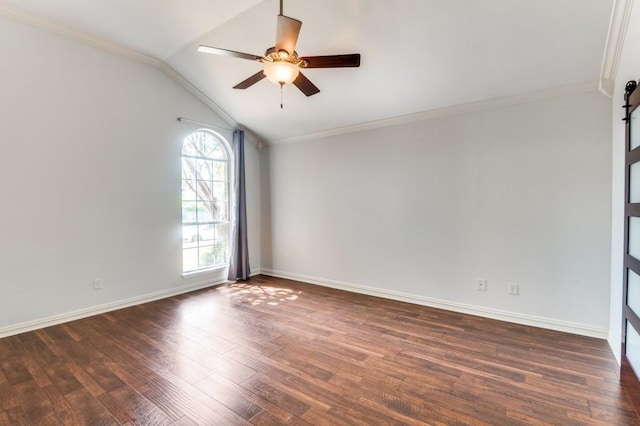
(239, 263)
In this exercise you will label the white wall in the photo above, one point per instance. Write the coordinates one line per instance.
(90, 177)
(517, 194)
(628, 69)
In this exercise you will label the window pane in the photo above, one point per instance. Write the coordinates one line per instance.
(633, 348)
(197, 233)
(217, 152)
(219, 171)
(189, 232)
(188, 193)
(204, 169)
(221, 211)
(189, 148)
(220, 190)
(188, 168)
(633, 291)
(220, 253)
(205, 190)
(634, 181)
(208, 144)
(635, 124)
(189, 212)
(202, 142)
(206, 211)
(207, 257)
(634, 237)
(205, 233)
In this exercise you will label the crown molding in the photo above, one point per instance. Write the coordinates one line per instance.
(185, 83)
(182, 81)
(618, 24)
(73, 33)
(585, 87)
(126, 52)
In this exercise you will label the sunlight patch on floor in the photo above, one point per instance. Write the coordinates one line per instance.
(261, 295)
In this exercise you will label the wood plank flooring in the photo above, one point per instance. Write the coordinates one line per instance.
(272, 351)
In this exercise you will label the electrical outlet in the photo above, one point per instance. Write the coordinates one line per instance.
(482, 285)
(514, 289)
(97, 284)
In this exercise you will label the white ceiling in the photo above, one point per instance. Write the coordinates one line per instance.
(417, 55)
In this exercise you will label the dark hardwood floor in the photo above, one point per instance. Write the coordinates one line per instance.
(272, 351)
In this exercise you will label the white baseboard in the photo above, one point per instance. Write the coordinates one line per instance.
(108, 307)
(513, 317)
(517, 318)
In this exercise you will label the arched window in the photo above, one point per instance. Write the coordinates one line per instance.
(205, 201)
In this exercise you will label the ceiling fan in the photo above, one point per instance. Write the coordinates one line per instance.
(281, 62)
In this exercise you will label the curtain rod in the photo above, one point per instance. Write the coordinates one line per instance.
(188, 120)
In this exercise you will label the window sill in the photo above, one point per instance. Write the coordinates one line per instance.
(216, 270)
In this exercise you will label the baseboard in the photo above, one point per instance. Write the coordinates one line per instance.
(513, 317)
(100, 309)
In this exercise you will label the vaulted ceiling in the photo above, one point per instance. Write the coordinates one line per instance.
(417, 55)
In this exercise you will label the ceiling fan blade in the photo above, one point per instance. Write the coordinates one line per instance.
(333, 61)
(287, 34)
(226, 52)
(250, 81)
(305, 86)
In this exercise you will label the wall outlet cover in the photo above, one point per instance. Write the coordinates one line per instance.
(482, 285)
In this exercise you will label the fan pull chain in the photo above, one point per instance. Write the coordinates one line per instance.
(281, 86)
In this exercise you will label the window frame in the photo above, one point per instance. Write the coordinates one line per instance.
(200, 244)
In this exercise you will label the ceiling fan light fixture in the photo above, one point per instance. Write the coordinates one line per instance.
(282, 63)
(281, 72)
